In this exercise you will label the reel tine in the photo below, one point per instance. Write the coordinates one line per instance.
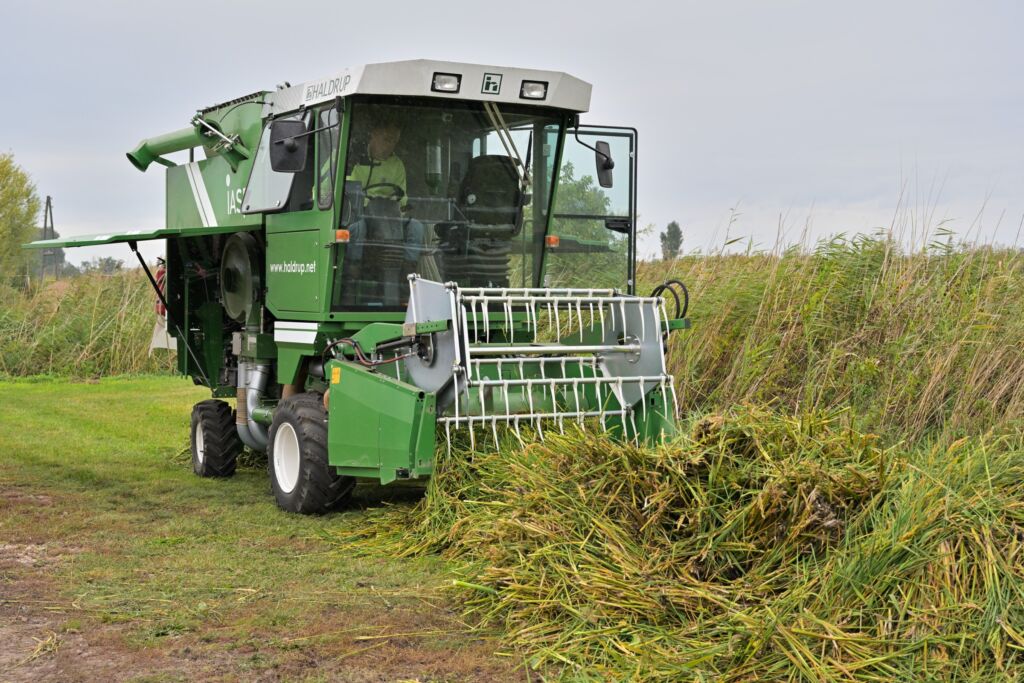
(579, 316)
(533, 311)
(664, 397)
(643, 401)
(476, 332)
(576, 396)
(675, 399)
(494, 430)
(456, 371)
(558, 325)
(448, 436)
(528, 395)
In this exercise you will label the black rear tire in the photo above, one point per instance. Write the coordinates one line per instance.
(214, 439)
(301, 477)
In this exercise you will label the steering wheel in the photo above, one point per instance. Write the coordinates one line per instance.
(397, 193)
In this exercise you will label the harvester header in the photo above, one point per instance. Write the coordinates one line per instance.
(371, 264)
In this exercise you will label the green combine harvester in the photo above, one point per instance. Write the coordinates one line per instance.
(398, 255)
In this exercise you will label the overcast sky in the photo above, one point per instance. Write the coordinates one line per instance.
(823, 114)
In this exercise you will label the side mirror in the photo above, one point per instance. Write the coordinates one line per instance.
(289, 146)
(603, 160)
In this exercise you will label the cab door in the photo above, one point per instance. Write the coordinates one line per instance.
(592, 236)
(299, 209)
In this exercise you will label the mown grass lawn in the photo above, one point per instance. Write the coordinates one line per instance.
(118, 562)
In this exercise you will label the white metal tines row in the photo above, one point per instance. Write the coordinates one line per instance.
(501, 368)
(569, 305)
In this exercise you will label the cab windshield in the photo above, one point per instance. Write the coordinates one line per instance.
(454, 191)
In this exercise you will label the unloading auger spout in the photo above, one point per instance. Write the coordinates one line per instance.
(152, 149)
(565, 354)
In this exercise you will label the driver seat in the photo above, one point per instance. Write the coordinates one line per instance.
(476, 252)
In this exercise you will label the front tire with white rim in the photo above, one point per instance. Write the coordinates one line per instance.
(300, 475)
(214, 439)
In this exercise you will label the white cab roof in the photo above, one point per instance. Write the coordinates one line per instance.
(479, 82)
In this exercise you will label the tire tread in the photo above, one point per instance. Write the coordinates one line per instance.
(220, 439)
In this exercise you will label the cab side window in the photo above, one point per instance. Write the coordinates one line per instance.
(327, 143)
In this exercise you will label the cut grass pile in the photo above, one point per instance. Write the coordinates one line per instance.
(756, 547)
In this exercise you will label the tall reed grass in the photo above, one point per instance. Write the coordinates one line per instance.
(87, 326)
(914, 343)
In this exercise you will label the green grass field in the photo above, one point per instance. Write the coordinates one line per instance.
(115, 559)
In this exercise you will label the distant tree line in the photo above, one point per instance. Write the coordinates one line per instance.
(20, 212)
(19, 215)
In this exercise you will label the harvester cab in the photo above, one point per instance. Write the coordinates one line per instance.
(400, 257)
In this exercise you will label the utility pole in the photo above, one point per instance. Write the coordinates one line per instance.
(49, 233)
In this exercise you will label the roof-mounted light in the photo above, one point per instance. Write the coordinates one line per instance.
(446, 83)
(533, 90)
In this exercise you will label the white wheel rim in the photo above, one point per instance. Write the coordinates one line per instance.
(286, 457)
(200, 444)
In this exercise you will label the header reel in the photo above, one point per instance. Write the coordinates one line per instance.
(539, 357)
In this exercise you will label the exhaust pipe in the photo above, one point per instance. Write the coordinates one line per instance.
(152, 149)
(252, 382)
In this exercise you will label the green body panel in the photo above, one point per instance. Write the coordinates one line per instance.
(289, 362)
(377, 423)
(292, 352)
(295, 273)
(216, 187)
